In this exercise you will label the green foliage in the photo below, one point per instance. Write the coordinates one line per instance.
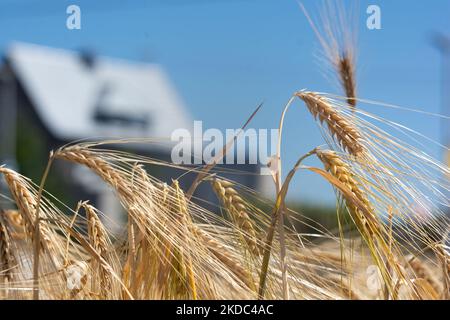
(32, 156)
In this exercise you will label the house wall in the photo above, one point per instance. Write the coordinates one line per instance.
(25, 142)
(8, 112)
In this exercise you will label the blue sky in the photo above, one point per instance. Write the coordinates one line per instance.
(226, 56)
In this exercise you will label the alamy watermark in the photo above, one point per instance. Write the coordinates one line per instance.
(73, 21)
(249, 146)
(76, 275)
(373, 21)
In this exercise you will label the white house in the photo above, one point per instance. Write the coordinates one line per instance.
(70, 96)
(50, 97)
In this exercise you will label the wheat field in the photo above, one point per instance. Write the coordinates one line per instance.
(172, 247)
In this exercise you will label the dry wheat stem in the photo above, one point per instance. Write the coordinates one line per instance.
(276, 212)
(203, 173)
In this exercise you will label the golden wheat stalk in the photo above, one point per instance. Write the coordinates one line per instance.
(365, 219)
(444, 257)
(214, 246)
(98, 239)
(338, 42)
(96, 231)
(98, 165)
(363, 215)
(17, 224)
(423, 290)
(181, 259)
(221, 253)
(237, 209)
(26, 203)
(345, 67)
(121, 183)
(345, 133)
(42, 232)
(6, 258)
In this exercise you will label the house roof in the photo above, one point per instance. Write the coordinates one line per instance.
(77, 97)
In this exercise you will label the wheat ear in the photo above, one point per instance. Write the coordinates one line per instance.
(117, 180)
(338, 44)
(6, 258)
(341, 170)
(237, 209)
(181, 259)
(98, 239)
(345, 133)
(26, 202)
(362, 213)
(346, 72)
(101, 167)
(214, 246)
(17, 223)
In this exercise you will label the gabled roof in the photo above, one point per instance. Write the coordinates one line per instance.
(109, 98)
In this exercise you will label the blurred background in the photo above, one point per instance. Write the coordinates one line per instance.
(146, 67)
